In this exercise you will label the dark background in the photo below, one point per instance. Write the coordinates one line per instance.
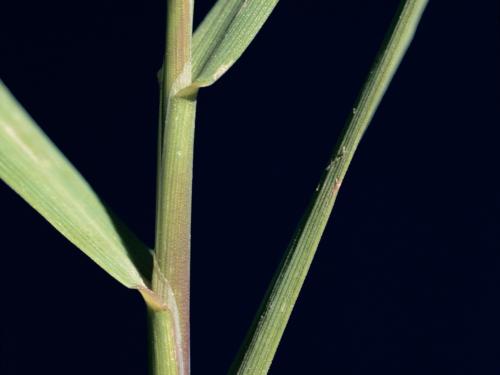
(406, 278)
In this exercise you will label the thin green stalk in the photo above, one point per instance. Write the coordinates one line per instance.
(263, 339)
(169, 319)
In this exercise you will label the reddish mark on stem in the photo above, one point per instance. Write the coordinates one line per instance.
(336, 186)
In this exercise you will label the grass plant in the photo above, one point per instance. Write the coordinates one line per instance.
(33, 167)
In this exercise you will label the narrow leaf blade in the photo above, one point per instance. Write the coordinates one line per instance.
(223, 36)
(264, 336)
(33, 166)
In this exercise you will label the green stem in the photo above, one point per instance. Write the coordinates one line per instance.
(263, 339)
(169, 319)
(163, 353)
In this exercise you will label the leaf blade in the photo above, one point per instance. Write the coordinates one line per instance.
(264, 336)
(224, 35)
(33, 167)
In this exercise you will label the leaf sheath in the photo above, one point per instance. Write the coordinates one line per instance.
(171, 272)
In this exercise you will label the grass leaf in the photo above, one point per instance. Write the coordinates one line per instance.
(265, 334)
(224, 35)
(33, 166)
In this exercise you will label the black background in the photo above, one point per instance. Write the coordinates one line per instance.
(406, 278)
